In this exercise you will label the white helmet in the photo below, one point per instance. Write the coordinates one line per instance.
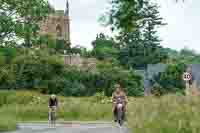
(53, 96)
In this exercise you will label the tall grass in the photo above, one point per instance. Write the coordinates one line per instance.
(7, 118)
(7, 110)
(168, 114)
(7, 97)
(69, 108)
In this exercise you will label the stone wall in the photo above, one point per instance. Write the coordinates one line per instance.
(80, 62)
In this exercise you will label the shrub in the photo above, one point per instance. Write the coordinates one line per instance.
(74, 89)
(8, 53)
(32, 72)
(100, 97)
(170, 81)
(37, 70)
(112, 74)
(7, 97)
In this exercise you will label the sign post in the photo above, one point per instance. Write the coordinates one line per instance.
(187, 77)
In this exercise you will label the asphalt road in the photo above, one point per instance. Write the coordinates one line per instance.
(70, 128)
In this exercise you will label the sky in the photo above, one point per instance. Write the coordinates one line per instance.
(182, 29)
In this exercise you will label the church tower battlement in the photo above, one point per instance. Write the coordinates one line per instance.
(57, 24)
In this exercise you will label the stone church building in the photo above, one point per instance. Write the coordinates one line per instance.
(57, 25)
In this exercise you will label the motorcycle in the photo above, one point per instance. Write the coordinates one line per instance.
(120, 111)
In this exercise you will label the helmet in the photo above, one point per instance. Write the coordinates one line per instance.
(53, 96)
(117, 86)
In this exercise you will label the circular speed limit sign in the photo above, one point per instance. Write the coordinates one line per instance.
(187, 76)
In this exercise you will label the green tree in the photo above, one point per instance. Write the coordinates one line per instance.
(7, 78)
(142, 46)
(153, 52)
(46, 41)
(171, 80)
(8, 54)
(79, 50)
(104, 48)
(185, 55)
(111, 74)
(2, 59)
(123, 15)
(20, 18)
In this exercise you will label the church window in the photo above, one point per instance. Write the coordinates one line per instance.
(59, 31)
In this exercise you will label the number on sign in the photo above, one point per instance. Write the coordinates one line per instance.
(187, 76)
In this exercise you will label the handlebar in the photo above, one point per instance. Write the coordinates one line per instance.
(53, 108)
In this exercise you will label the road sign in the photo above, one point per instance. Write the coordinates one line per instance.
(187, 76)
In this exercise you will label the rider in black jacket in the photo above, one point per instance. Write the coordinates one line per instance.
(53, 101)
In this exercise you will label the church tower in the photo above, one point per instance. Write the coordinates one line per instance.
(57, 25)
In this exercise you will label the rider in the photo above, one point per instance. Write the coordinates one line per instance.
(53, 102)
(119, 93)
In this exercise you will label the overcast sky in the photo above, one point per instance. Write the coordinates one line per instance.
(183, 29)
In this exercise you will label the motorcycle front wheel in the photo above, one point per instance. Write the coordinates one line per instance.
(119, 116)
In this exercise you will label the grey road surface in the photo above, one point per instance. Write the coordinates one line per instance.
(70, 128)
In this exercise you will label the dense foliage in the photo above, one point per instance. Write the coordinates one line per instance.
(104, 48)
(123, 15)
(136, 23)
(185, 55)
(170, 81)
(37, 70)
(20, 19)
(41, 67)
(131, 82)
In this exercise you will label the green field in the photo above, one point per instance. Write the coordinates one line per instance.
(168, 114)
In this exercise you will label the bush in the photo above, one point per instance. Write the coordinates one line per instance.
(112, 74)
(7, 78)
(100, 97)
(170, 81)
(32, 72)
(104, 48)
(74, 89)
(37, 70)
(8, 53)
(2, 59)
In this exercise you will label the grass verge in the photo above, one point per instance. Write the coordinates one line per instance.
(7, 118)
(168, 114)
